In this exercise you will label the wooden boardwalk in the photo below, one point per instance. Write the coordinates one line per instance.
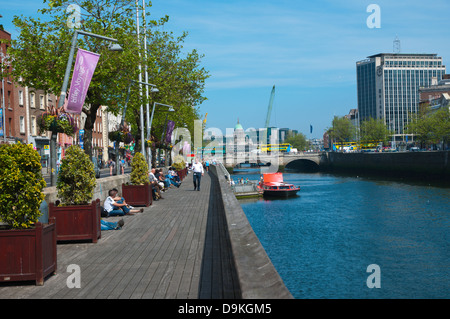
(176, 249)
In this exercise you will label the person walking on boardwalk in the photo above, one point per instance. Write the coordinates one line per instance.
(197, 168)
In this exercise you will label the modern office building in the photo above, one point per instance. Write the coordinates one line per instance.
(388, 86)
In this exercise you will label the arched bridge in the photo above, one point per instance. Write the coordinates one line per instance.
(301, 160)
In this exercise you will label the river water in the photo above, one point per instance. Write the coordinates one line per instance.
(322, 241)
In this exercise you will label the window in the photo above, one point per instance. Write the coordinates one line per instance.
(41, 102)
(20, 98)
(22, 124)
(33, 125)
(32, 100)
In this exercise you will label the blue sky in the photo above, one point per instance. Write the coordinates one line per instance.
(308, 49)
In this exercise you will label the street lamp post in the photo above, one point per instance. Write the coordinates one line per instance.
(62, 97)
(3, 57)
(149, 127)
(153, 90)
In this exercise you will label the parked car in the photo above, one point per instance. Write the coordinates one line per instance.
(414, 149)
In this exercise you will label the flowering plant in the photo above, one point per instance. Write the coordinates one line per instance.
(121, 134)
(57, 122)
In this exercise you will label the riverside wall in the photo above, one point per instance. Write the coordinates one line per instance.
(257, 277)
(433, 165)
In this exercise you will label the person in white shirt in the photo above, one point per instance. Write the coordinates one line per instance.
(197, 169)
(116, 207)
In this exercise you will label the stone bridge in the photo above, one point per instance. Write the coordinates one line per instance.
(299, 160)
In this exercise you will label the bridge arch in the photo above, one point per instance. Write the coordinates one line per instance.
(303, 164)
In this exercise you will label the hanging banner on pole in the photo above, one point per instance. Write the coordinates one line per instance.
(170, 127)
(83, 71)
(1, 123)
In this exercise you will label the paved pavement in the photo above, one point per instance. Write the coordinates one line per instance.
(159, 254)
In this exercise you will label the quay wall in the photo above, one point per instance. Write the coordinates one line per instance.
(100, 191)
(409, 164)
(257, 277)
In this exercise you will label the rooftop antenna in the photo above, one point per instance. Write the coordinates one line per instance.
(397, 45)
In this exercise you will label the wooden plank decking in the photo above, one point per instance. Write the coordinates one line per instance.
(176, 249)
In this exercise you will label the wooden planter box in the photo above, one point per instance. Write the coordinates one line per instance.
(80, 222)
(28, 254)
(137, 195)
(182, 174)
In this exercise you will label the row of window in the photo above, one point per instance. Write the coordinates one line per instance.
(413, 63)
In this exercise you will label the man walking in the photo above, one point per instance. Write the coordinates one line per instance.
(197, 168)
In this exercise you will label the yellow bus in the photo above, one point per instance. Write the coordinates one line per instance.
(283, 148)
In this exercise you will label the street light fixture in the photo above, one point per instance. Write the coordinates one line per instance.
(113, 47)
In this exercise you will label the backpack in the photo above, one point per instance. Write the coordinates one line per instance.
(103, 212)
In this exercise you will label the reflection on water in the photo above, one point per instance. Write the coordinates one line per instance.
(322, 241)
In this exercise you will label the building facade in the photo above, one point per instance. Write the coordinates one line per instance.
(7, 123)
(388, 86)
(436, 95)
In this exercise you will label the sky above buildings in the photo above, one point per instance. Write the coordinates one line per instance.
(307, 49)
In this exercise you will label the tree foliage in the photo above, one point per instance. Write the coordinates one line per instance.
(342, 129)
(374, 130)
(42, 48)
(21, 185)
(431, 127)
(298, 141)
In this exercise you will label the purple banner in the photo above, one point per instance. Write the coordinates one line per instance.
(170, 127)
(83, 71)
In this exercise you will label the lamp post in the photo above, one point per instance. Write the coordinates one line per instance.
(3, 57)
(149, 127)
(62, 97)
(153, 90)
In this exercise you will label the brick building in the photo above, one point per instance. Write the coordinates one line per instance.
(7, 122)
(23, 107)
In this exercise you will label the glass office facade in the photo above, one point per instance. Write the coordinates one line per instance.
(388, 86)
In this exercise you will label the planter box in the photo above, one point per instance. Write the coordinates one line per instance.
(80, 222)
(182, 174)
(137, 195)
(28, 254)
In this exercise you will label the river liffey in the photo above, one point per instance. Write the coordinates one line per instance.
(322, 241)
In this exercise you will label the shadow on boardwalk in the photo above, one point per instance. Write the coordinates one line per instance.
(159, 254)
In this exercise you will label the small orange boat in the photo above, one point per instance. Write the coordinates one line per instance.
(273, 185)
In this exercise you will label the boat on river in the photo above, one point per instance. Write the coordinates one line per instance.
(272, 184)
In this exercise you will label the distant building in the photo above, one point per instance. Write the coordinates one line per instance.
(388, 86)
(353, 116)
(436, 95)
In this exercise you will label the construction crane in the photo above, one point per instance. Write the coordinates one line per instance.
(269, 111)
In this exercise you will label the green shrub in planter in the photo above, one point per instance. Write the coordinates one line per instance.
(179, 163)
(76, 178)
(21, 185)
(139, 170)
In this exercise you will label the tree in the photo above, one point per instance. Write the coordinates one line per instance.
(374, 130)
(298, 141)
(342, 129)
(41, 52)
(180, 80)
(431, 127)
